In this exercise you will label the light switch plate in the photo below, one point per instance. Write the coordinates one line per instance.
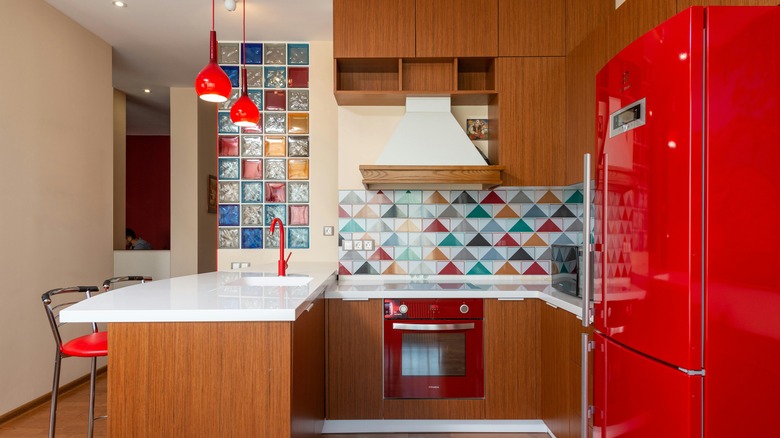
(346, 245)
(358, 245)
(368, 245)
(328, 230)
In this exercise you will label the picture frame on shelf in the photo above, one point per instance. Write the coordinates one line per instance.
(212, 194)
(477, 129)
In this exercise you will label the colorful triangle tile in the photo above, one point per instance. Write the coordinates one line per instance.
(478, 240)
(421, 268)
(575, 226)
(464, 254)
(380, 254)
(493, 255)
(408, 254)
(506, 240)
(343, 213)
(464, 198)
(436, 198)
(393, 240)
(492, 198)
(549, 226)
(507, 269)
(352, 227)
(343, 270)
(436, 254)
(521, 198)
(352, 255)
(520, 227)
(394, 268)
(546, 255)
(535, 240)
(450, 269)
(380, 227)
(507, 212)
(563, 240)
(521, 254)
(450, 212)
(422, 239)
(394, 211)
(549, 198)
(436, 226)
(492, 227)
(408, 227)
(576, 198)
(535, 211)
(450, 240)
(535, 269)
(464, 227)
(366, 212)
(422, 211)
(478, 212)
(563, 212)
(380, 198)
(352, 198)
(366, 269)
(479, 269)
(410, 197)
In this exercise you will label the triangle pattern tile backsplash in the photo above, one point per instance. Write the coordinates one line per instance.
(507, 231)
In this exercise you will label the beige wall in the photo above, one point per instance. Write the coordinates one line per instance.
(56, 172)
(120, 175)
(207, 165)
(324, 167)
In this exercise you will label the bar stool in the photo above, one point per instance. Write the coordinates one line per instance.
(92, 345)
(111, 281)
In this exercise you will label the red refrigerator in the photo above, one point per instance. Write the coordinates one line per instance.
(686, 209)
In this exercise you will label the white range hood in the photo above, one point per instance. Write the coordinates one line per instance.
(429, 148)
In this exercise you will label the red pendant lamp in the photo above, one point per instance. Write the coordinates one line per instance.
(212, 83)
(244, 112)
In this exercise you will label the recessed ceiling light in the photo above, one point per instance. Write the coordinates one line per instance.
(119, 4)
(146, 90)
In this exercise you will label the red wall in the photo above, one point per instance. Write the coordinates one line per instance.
(148, 188)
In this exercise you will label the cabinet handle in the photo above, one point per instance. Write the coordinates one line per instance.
(432, 327)
(584, 407)
(308, 309)
(586, 247)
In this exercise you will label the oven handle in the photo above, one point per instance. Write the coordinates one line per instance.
(432, 327)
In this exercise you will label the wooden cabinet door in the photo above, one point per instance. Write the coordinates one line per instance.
(308, 371)
(635, 18)
(512, 359)
(530, 132)
(456, 28)
(582, 17)
(354, 389)
(556, 334)
(531, 27)
(373, 28)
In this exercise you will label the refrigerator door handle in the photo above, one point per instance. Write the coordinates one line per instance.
(585, 408)
(586, 246)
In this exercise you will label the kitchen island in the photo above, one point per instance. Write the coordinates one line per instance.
(217, 354)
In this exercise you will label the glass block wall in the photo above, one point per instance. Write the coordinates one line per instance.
(264, 170)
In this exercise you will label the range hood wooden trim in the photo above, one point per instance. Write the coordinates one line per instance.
(403, 176)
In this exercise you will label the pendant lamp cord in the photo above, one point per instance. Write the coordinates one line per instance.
(244, 3)
(212, 14)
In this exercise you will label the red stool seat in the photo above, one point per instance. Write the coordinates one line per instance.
(91, 345)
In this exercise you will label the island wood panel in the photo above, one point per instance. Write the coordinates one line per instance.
(582, 65)
(355, 348)
(633, 19)
(556, 334)
(531, 27)
(428, 75)
(308, 371)
(529, 114)
(512, 359)
(685, 4)
(583, 17)
(445, 409)
(207, 379)
(453, 28)
(373, 28)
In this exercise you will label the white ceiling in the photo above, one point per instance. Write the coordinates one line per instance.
(159, 44)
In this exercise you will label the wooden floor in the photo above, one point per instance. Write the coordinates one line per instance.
(72, 420)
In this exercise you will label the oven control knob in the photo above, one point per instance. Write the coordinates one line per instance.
(464, 308)
(403, 308)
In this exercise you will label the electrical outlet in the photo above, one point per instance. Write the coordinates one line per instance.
(368, 245)
(358, 245)
(346, 245)
(239, 265)
(328, 230)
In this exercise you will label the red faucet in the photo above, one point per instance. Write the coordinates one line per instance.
(281, 270)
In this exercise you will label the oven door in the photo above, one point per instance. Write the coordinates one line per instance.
(434, 359)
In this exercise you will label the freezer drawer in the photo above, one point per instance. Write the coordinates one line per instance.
(638, 397)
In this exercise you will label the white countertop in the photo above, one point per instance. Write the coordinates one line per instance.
(213, 296)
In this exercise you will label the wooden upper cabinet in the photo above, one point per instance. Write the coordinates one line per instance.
(373, 28)
(582, 17)
(635, 18)
(457, 28)
(531, 27)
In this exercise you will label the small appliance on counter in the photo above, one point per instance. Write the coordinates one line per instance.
(565, 271)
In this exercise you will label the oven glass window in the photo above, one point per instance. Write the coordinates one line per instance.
(433, 354)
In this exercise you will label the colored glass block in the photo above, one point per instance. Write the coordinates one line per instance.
(252, 145)
(251, 238)
(298, 54)
(228, 238)
(272, 239)
(256, 96)
(228, 191)
(275, 192)
(228, 53)
(257, 129)
(275, 123)
(224, 123)
(275, 77)
(298, 169)
(275, 145)
(228, 215)
(298, 238)
(226, 105)
(228, 146)
(252, 169)
(275, 169)
(273, 211)
(254, 77)
(298, 146)
(251, 214)
(298, 100)
(232, 74)
(275, 54)
(228, 168)
(251, 192)
(298, 77)
(299, 215)
(275, 100)
(254, 53)
(298, 123)
(298, 191)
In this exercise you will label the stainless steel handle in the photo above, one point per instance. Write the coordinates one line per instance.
(432, 327)
(584, 387)
(586, 219)
(308, 309)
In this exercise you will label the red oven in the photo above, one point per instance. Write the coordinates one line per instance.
(433, 348)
